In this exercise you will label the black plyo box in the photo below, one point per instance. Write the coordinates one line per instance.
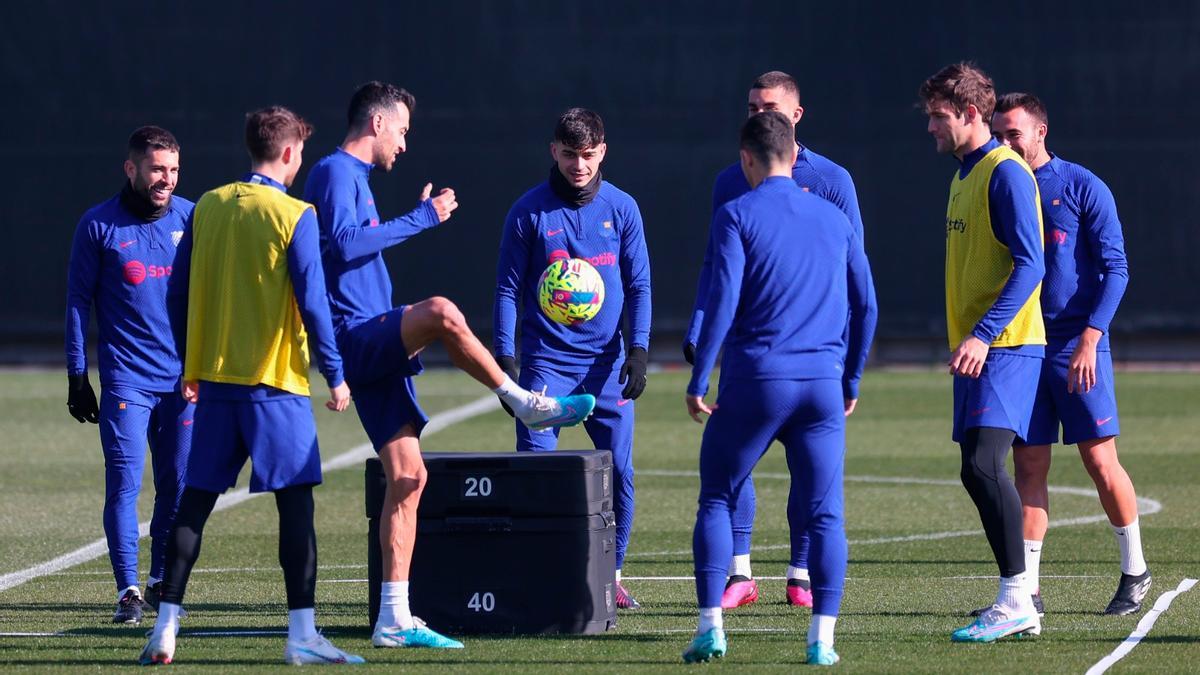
(518, 484)
(474, 575)
(518, 543)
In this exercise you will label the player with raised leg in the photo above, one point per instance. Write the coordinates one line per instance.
(381, 343)
(773, 91)
(994, 268)
(790, 372)
(1086, 275)
(578, 214)
(122, 256)
(247, 297)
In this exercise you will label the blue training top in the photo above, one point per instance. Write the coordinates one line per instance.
(813, 173)
(122, 264)
(607, 232)
(780, 309)
(1086, 270)
(353, 238)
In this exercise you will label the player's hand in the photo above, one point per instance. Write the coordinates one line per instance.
(81, 399)
(851, 404)
(696, 405)
(968, 359)
(509, 365)
(633, 374)
(339, 397)
(1081, 372)
(689, 352)
(444, 203)
(190, 389)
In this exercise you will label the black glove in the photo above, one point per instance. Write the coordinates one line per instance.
(81, 400)
(689, 352)
(509, 365)
(633, 373)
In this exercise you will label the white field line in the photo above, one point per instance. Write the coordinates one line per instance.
(1143, 627)
(352, 456)
(1146, 507)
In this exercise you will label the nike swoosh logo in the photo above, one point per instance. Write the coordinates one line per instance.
(187, 423)
(551, 233)
(1102, 422)
(568, 413)
(977, 413)
(127, 244)
(623, 401)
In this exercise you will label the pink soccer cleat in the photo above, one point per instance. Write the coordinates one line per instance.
(799, 593)
(739, 590)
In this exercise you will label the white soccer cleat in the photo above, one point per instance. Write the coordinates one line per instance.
(317, 652)
(545, 412)
(999, 622)
(159, 649)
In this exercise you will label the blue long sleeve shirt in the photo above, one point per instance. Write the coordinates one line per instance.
(780, 310)
(607, 232)
(1086, 269)
(814, 173)
(353, 237)
(121, 264)
(1012, 206)
(308, 285)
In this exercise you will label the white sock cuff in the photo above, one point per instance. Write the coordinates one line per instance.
(740, 566)
(710, 617)
(797, 573)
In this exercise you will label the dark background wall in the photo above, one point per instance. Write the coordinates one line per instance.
(670, 79)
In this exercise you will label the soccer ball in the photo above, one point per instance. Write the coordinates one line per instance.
(570, 291)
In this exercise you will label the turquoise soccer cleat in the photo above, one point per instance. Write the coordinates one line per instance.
(565, 411)
(419, 635)
(996, 623)
(705, 647)
(821, 654)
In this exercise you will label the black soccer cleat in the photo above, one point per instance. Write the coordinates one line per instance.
(129, 609)
(153, 595)
(1037, 604)
(1130, 592)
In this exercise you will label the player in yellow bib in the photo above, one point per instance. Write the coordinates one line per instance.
(249, 290)
(994, 269)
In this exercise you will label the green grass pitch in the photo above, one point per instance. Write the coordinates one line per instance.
(903, 597)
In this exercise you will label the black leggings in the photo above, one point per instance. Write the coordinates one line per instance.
(984, 450)
(297, 543)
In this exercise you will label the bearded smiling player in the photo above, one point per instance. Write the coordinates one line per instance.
(1086, 275)
(121, 259)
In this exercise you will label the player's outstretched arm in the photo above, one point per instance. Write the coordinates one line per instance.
(334, 194)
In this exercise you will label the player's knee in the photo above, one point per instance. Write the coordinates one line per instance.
(1031, 474)
(447, 315)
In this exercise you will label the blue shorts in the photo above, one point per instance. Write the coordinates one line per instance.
(1001, 397)
(1083, 416)
(380, 374)
(278, 435)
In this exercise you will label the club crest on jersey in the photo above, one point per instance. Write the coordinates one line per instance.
(176, 236)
